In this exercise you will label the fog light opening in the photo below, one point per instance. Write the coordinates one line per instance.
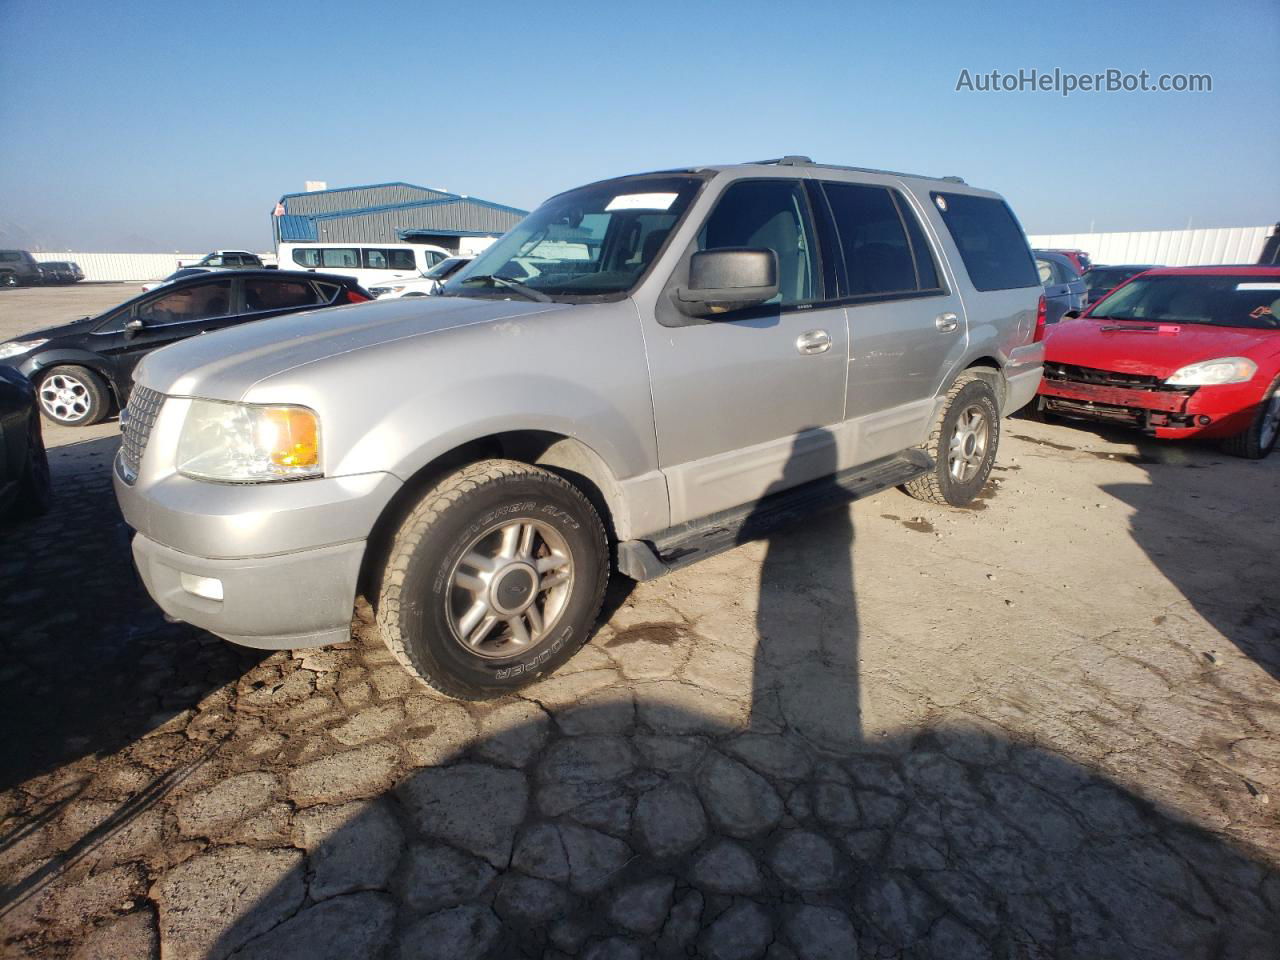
(208, 587)
(1204, 421)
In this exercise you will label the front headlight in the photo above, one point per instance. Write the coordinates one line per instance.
(1209, 373)
(249, 443)
(16, 348)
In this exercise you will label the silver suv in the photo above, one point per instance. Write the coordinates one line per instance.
(643, 372)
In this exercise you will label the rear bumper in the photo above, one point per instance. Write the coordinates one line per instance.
(1022, 377)
(1208, 412)
(300, 599)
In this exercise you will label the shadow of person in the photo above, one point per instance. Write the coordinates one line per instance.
(805, 671)
(1213, 533)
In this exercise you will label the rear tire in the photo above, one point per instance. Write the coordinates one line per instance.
(1260, 438)
(74, 396)
(494, 580)
(962, 445)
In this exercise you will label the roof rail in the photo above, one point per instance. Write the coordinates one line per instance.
(801, 161)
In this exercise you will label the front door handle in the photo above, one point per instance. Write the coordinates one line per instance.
(946, 322)
(813, 341)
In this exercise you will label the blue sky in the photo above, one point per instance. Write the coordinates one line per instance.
(169, 126)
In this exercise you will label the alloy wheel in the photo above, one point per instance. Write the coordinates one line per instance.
(509, 588)
(65, 398)
(968, 447)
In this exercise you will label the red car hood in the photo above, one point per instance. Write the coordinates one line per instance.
(1122, 346)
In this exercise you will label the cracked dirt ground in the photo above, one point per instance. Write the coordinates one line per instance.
(1043, 727)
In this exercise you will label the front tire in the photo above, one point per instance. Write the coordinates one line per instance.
(74, 396)
(493, 580)
(962, 445)
(1260, 438)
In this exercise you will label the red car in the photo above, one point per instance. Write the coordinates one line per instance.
(1175, 352)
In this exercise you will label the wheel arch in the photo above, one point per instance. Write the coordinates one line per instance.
(563, 455)
(991, 370)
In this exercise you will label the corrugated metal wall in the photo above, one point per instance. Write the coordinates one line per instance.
(352, 198)
(383, 226)
(1170, 248)
(130, 267)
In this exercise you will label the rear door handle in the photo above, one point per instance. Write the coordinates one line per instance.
(946, 322)
(813, 341)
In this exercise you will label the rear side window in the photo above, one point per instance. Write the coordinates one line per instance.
(346, 257)
(328, 291)
(278, 294)
(991, 243)
(307, 257)
(883, 247)
(400, 259)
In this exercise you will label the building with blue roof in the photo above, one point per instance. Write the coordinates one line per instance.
(390, 213)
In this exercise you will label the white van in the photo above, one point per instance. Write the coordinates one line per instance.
(367, 263)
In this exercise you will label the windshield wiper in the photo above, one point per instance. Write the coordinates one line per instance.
(510, 284)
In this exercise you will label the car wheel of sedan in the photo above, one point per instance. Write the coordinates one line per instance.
(74, 396)
(494, 580)
(1260, 438)
(962, 445)
(35, 491)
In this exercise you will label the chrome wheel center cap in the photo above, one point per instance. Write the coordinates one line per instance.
(513, 588)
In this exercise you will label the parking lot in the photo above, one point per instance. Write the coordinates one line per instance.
(1046, 725)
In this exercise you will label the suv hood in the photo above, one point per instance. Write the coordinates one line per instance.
(225, 364)
(1122, 346)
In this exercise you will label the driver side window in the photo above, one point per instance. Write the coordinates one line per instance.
(770, 214)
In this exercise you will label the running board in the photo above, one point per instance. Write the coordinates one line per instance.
(688, 543)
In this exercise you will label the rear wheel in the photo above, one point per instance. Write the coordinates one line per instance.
(1260, 438)
(494, 580)
(74, 396)
(962, 445)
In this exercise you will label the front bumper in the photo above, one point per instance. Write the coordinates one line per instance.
(296, 600)
(1208, 412)
(286, 555)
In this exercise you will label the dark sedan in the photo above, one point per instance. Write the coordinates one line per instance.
(24, 467)
(1101, 280)
(83, 370)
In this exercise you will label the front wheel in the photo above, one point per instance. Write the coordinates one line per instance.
(1259, 439)
(962, 445)
(493, 580)
(74, 396)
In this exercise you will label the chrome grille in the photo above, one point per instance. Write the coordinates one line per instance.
(136, 421)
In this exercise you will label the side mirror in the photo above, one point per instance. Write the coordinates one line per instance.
(1071, 315)
(728, 279)
(132, 326)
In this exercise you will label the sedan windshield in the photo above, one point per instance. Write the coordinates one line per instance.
(594, 242)
(1101, 279)
(1224, 301)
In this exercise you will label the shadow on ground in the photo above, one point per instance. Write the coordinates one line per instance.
(668, 824)
(89, 664)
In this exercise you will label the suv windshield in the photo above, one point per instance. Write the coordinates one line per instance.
(597, 241)
(1224, 301)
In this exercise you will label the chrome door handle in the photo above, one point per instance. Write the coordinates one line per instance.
(946, 322)
(813, 341)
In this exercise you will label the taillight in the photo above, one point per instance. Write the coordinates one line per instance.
(354, 297)
(1041, 319)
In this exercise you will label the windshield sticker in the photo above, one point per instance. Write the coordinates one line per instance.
(1258, 286)
(642, 201)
